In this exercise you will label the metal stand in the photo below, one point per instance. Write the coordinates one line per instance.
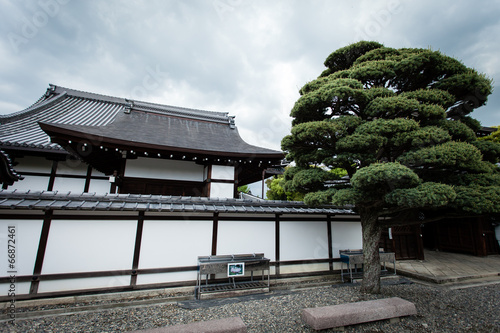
(209, 265)
(353, 258)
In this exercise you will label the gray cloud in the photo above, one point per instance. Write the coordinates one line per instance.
(248, 58)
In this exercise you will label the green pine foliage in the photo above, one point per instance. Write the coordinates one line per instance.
(398, 122)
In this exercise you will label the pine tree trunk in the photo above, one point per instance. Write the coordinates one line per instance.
(371, 266)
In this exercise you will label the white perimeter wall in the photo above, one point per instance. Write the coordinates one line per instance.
(173, 244)
(143, 167)
(90, 245)
(26, 239)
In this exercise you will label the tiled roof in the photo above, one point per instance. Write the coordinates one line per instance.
(60, 106)
(46, 200)
(123, 122)
(146, 131)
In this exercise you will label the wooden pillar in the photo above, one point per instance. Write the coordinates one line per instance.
(215, 231)
(420, 242)
(137, 249)
(52, 178)
(277, 243)
(330, 241)
(87, 179)
(480, 236)
(40, 255)
(236, 181)
(208, 181)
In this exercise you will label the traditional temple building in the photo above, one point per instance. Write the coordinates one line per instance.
(108, 194)
(82, 142)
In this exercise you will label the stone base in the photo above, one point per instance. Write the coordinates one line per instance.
(232, 293)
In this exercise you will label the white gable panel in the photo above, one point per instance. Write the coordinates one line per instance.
(164, 169)
(221, 190)
(223, 172)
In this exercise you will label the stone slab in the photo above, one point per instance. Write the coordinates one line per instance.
(356, 313)
(226, 325)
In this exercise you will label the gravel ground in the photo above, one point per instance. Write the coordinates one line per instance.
(440, 309)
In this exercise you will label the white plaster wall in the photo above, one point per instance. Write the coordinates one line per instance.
(145, 279)
(346, 235)
(303, 268)
(221, 190)
(241, 237)
(101, 245)
(164, 169)
(21, 288)
(89, 245)
(225, 172)
(303, 240)
(31, 183)
(80, 284)
(99, 186)
(71, 167)
(73, 185)
(27, 237)
(173, 244)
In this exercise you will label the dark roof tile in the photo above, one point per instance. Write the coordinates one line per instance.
(125, 202)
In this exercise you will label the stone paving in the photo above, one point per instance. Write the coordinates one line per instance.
(444, 267)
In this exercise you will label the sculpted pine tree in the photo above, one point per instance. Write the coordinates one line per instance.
(397, 121)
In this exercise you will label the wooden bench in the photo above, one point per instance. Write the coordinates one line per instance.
(356, 313)
(226, 325)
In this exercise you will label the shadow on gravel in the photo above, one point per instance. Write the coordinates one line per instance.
(197, 304)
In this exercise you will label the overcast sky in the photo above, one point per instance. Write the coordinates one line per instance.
(248, 58)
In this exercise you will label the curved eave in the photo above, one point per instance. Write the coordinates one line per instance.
(61, 134)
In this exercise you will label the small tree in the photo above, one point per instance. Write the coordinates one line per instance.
(280, 189)
(244, 189)
(397, 121)
(495, 136)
